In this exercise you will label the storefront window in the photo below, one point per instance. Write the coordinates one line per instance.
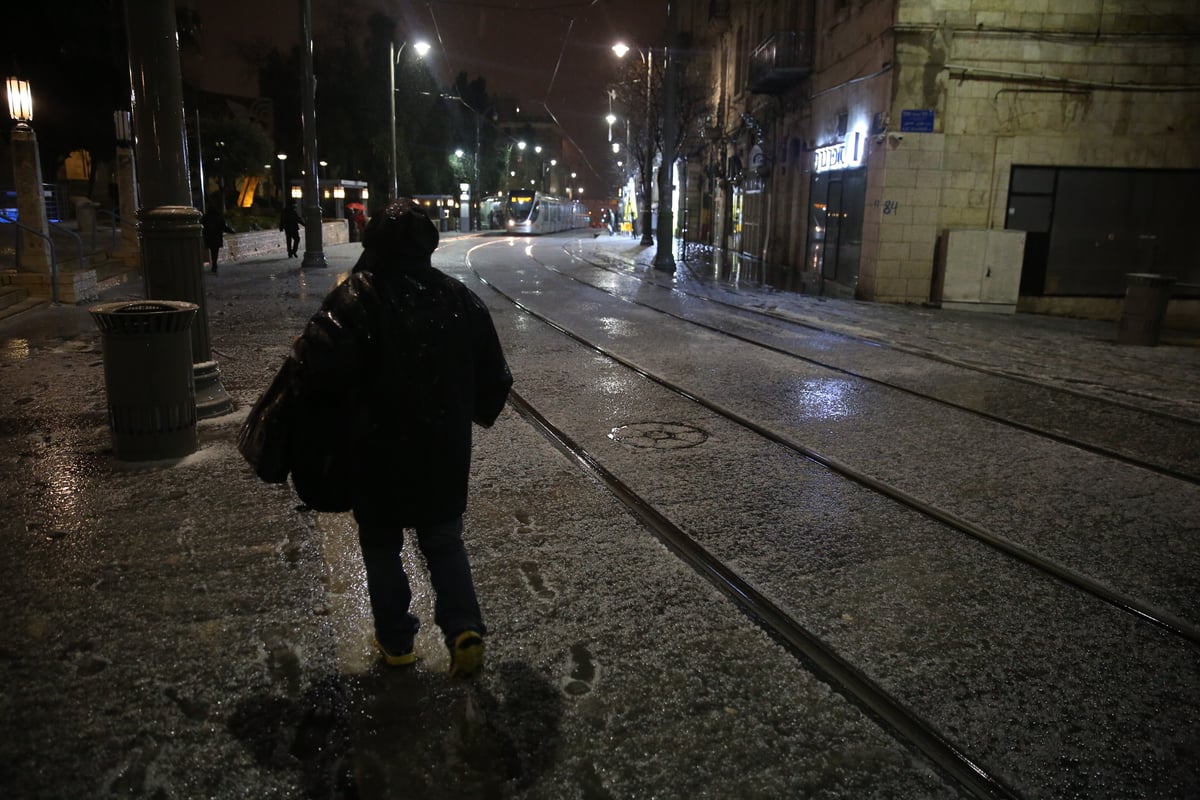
(835, 228)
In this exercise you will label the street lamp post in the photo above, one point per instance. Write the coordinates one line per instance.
(465, 189)
(647, 167)
(314, 249)
(33, 252)
(664, 258)
(168, 225)
(126, 182)
(283, 192)
(393, 59)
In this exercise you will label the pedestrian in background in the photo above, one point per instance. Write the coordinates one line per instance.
(290, 223)
(214, 228)
(415, 355)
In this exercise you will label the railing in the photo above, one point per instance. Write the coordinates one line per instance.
(72, 234)
(783, 59)
(117, 223)
(53, 258)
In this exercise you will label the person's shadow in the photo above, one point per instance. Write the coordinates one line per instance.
(409, 733)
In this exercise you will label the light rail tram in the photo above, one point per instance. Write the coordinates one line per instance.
(537, 212)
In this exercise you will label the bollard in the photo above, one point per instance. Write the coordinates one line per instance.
(1145, 308)
(148, 377)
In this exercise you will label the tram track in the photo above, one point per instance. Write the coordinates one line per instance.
(801, 642)
(1135, 404)
(1143, 611)
(807, 646)
(1097, 449)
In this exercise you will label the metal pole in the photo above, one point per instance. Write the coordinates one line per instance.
(168, 224)
(478, 191)
(200, 166)
(392, 105)
(648, 163)
(314, 255)
(127, 185)
(32, 252)
(664, 259)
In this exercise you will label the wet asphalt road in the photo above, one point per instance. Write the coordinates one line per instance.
(181, 630)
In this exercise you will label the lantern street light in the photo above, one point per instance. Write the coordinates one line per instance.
(34, 252)
(20, 102)
(422, 48)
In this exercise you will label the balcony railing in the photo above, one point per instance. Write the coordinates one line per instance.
(781, 61)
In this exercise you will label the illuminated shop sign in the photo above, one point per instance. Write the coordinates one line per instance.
(845, 155)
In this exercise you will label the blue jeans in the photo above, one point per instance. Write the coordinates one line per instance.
(455, 608)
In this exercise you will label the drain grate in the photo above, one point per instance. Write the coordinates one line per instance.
(658, 435)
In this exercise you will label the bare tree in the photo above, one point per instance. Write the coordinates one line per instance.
(637, 93)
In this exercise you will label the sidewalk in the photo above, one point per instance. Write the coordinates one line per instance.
(183, 630)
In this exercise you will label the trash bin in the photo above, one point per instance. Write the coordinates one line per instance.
(1145, 308)
(147, 348)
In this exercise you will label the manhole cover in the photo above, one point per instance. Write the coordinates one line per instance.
(658, 435)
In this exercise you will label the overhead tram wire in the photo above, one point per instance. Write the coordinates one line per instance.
(558, 64)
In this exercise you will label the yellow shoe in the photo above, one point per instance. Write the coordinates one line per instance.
(395, 659)
(466, 654)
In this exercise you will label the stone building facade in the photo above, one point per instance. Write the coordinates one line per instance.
(991, 154)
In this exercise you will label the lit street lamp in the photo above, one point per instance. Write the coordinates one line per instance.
(663, 258)
(393, 60)
(282, 176)
(647, 168)
(34, 252)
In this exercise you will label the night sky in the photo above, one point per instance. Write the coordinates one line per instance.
(551, 55)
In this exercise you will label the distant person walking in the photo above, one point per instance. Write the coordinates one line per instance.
(291, 223)
(214, 228)
(360, 223)
(412, 355)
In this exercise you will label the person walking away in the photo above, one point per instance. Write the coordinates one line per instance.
(214, 227)
(360, 221)
(291, 223)
(417, 354)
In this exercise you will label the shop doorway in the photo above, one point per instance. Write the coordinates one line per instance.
(1087, 228)
(835, 220)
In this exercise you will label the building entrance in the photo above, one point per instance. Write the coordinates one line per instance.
(1086, 228)
(835, 221)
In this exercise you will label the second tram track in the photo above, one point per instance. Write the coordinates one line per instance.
(1140, 610)
(1003, 420)
(970, 774)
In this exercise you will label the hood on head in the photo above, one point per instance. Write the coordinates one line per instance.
(403, 229)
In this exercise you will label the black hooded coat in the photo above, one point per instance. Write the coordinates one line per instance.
(409, 357)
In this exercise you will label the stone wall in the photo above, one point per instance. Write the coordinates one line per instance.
(82, 285)
(263, 244)
(1073, 84)
(74, 286)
